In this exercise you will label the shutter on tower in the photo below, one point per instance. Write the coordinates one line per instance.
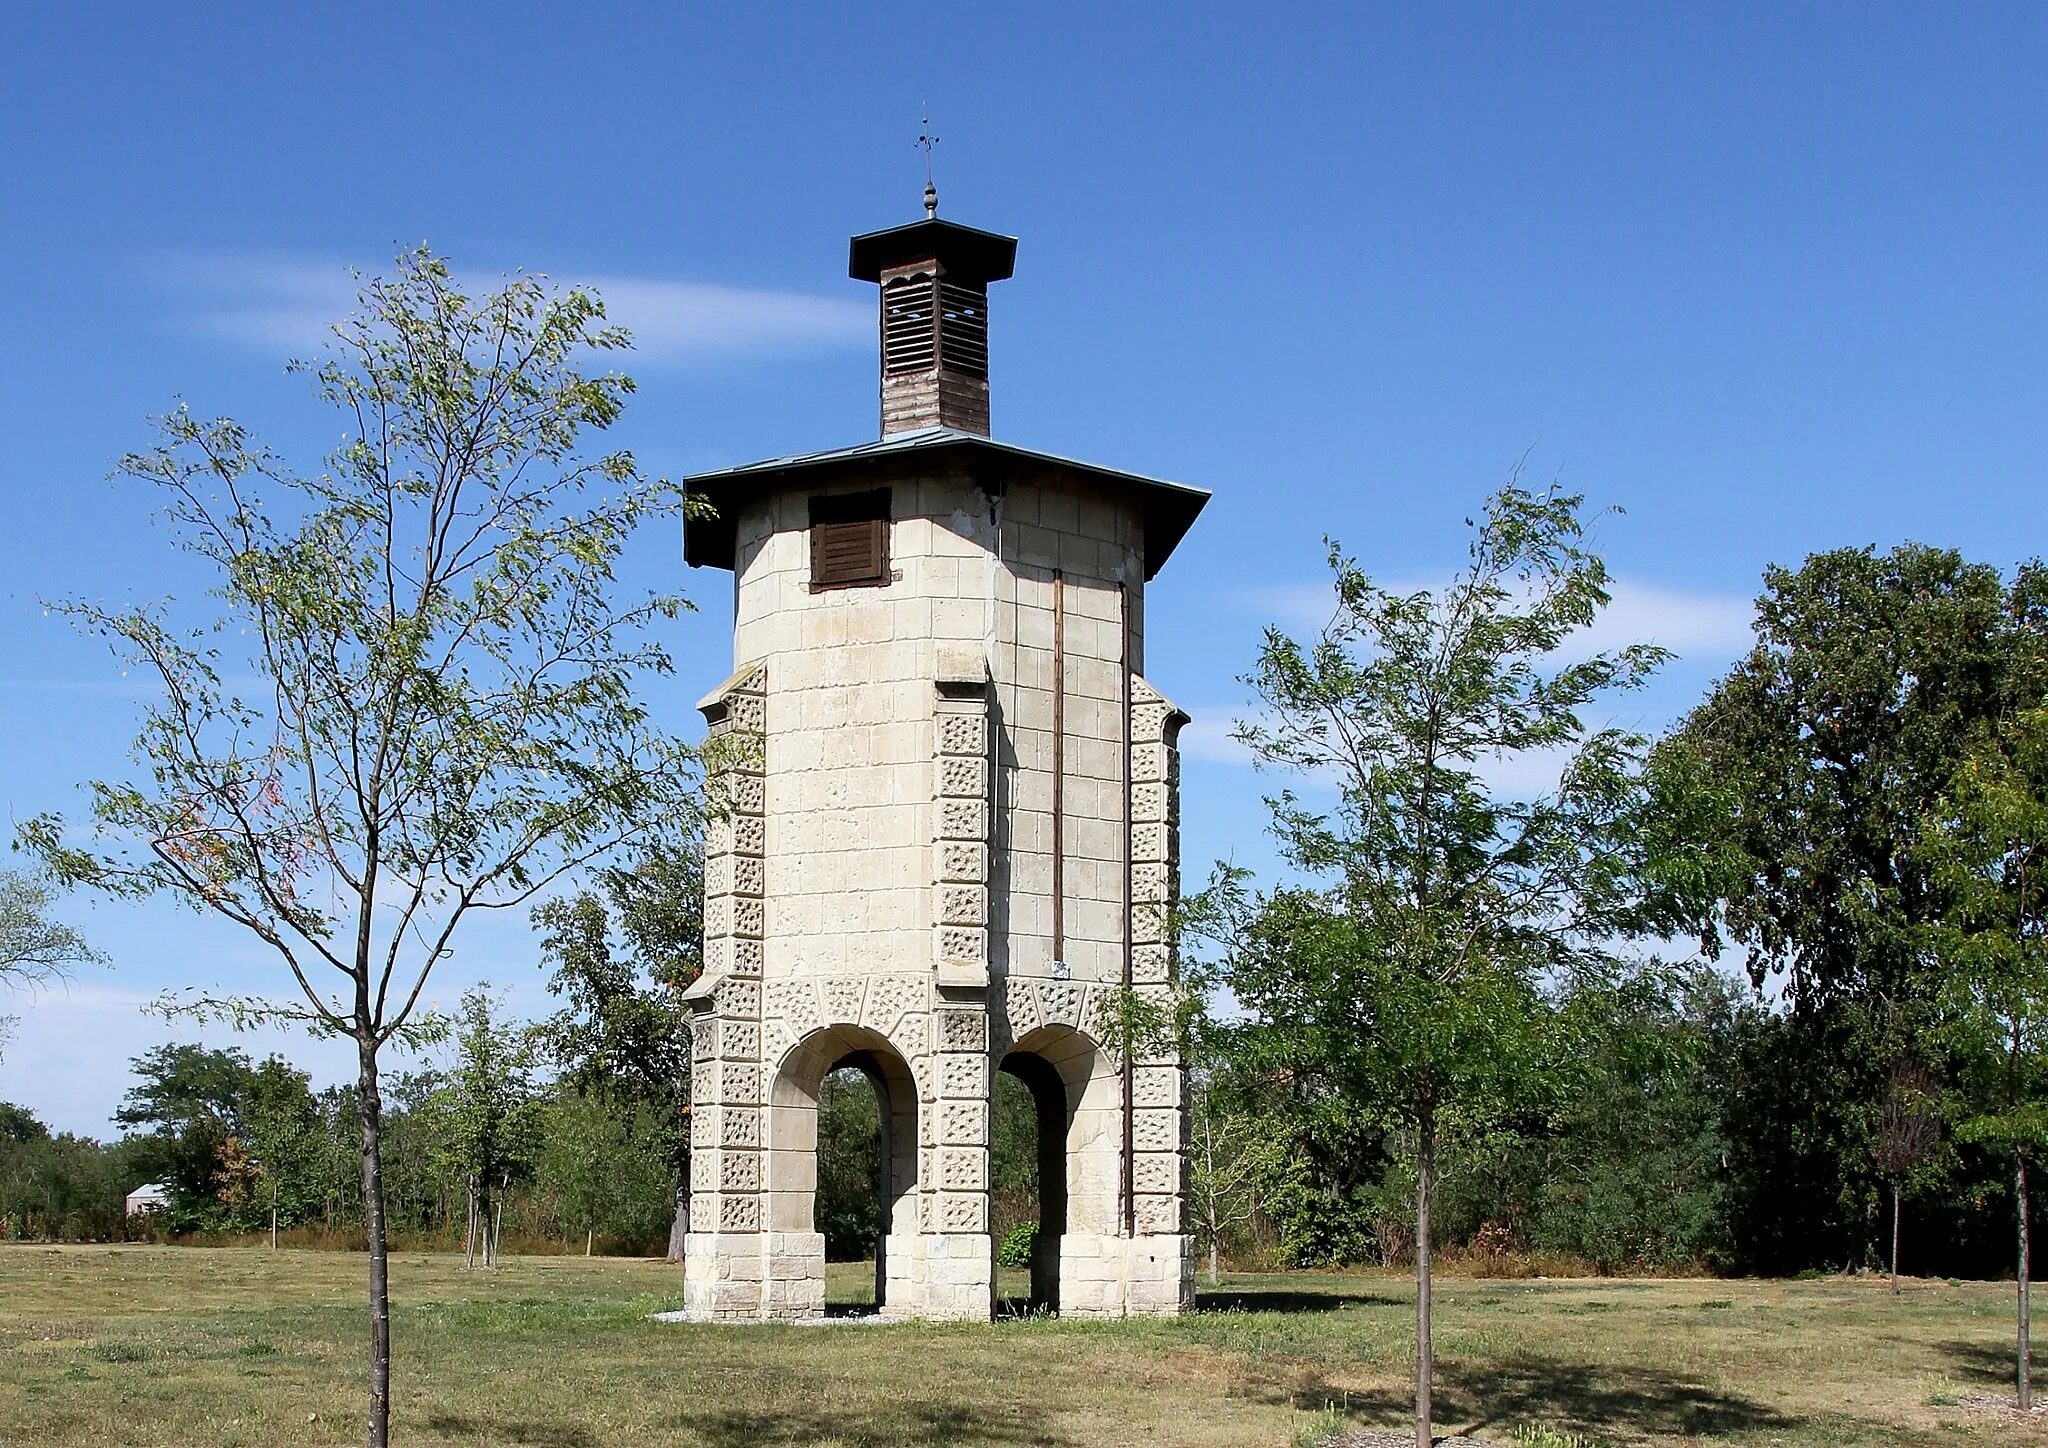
(850, 540)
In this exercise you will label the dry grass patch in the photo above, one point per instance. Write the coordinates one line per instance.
(177, 1346)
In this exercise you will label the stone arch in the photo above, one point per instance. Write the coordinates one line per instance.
(792, 1164)
(1074, 1086)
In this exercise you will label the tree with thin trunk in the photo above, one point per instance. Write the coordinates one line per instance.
(1987, 842)
(1228, 1148)
(417, 701)
(1412, 985)
(1904, 1131)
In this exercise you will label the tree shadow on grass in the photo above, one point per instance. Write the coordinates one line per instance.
(913, 1424)
(1985, 1365)
(1634, 1401)
(1289, 1301)
(500, 1430)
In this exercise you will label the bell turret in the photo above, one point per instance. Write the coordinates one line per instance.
(934, 277)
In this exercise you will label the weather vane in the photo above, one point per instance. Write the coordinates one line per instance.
(931, 193)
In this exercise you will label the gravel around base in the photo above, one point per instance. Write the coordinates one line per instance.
(1382, 1438)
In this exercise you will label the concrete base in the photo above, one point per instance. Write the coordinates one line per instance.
(941, 1277)
(1111, 1277)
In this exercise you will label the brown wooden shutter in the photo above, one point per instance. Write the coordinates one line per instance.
(850, 540)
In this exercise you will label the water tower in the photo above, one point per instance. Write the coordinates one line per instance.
(944, 827)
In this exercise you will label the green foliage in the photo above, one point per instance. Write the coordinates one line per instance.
(622, 959)
(606, 1163)
(1409, 986)
(446, 716)
(850, 1165)
(33, 947)
(1015, 1250)
(489, 1105)
(1788, 802)
(59, 1186)
(1631, 1171)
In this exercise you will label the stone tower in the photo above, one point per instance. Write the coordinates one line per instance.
(943, 831)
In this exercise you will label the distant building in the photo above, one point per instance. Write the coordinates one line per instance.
(153, 1198)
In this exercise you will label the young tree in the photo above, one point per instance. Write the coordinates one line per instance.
(489, 1107)
(1988, 845)
(1228, 1147)
(622, 960)
(1904, 1133)
(1413, 981)
(446, 719)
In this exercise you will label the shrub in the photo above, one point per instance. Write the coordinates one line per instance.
(1016, 1248)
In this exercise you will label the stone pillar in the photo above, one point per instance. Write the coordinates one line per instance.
(1161, 1255)
(725, 1254)
(958, 1258)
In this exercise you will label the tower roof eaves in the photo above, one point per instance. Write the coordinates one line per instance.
(1170, 508)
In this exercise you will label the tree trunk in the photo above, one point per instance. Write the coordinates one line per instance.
(1425, 1364)
(370, 1109)
(680, 1227)
(1213, 1279)
(589, 1236)
(2026, 1366)
(1895, 1239)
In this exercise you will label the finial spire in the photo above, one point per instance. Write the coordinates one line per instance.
(931, 193)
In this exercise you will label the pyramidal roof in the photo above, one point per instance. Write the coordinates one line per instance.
(709, 542)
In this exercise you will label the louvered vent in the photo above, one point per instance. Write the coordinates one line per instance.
(910, 335)
(963, 328)
(850, 540)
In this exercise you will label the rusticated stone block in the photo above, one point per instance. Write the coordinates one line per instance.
(740, 1126)
(1155, 1130)
(739, 1171)
(963, 819)
(1155, 1086)
(963, 1123)
(963, 1076)
(739, 997)
(747, 793)
(749, 918)
(963, 1212)
(1155, 1172)
(961, 1030)
(963, 905)
(739, 1213)
(739, 1083)
(1158, 1216)
(966, 862)
(1059, 1002)
(739, 1040)
(962, 734)
(963, 1169)
(843, 1000)
(963, 778)
(1151, 964)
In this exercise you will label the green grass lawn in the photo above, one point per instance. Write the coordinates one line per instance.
(240, 1346)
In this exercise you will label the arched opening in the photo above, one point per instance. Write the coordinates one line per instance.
(842, 1161)
(1029, 1140)
(853, 1205)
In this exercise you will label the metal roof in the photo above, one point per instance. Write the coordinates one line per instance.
(968, 255)
(1170, 508)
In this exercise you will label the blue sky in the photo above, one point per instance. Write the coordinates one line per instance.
(1769, 278)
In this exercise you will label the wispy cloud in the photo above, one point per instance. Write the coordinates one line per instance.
(286, 303)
